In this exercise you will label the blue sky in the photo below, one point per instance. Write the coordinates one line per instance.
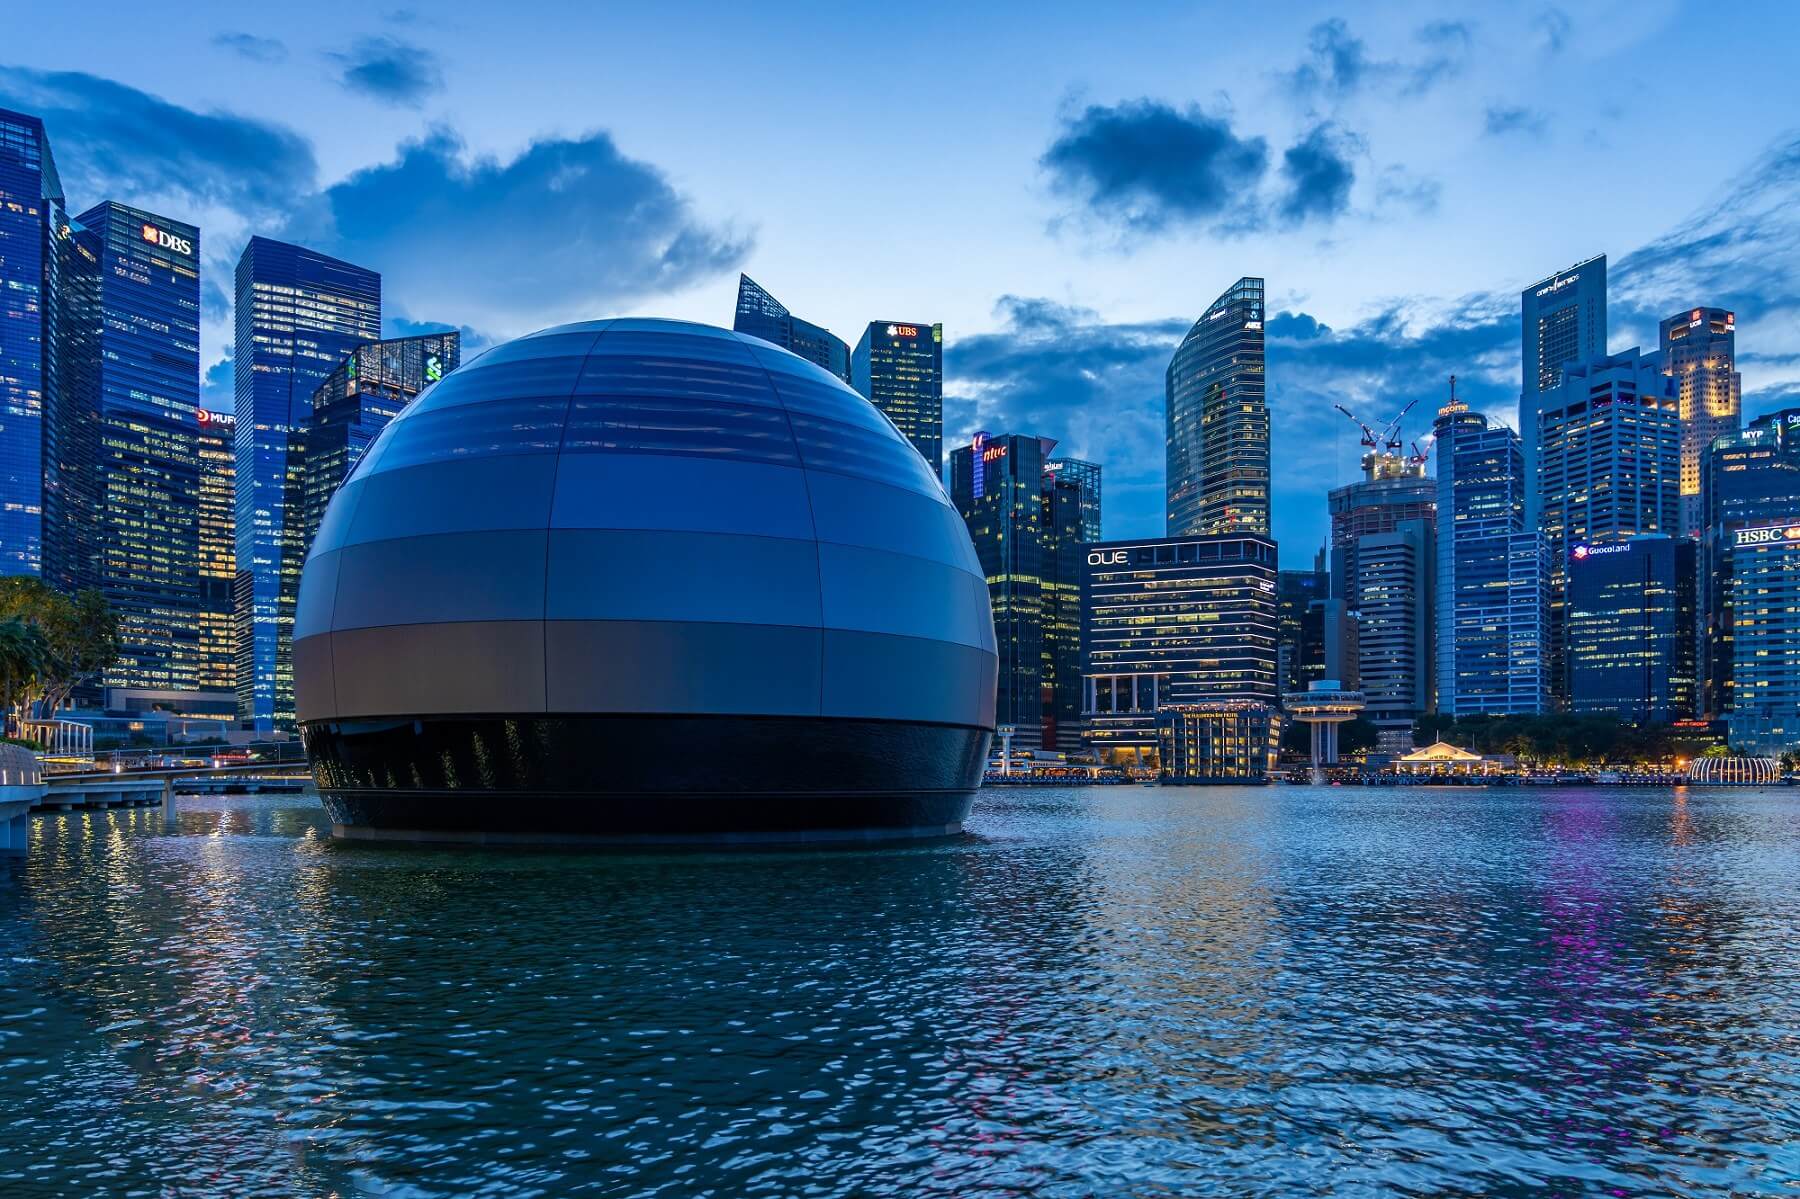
(1064, 186)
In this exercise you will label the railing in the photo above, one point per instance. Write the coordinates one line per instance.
(61, 738)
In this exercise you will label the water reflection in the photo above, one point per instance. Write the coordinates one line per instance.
(1119, 991)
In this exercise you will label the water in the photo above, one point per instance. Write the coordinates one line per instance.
(1113, 991)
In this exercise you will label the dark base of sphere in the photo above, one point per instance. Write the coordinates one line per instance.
(626, 779)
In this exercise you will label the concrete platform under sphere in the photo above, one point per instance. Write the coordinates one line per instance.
(643, 580)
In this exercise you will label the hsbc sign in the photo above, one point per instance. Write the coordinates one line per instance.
(1768, 535)
(167, 240)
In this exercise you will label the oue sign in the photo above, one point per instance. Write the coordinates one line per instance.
(167, 240)
(1107, 557)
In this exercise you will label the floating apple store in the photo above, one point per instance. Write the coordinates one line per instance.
(643, 580)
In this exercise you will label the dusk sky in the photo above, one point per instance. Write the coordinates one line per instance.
(1066, 187)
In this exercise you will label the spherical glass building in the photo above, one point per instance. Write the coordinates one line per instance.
(643, 580)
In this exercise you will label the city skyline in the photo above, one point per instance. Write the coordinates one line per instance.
(1091, 264)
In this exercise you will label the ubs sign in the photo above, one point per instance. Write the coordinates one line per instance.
(167, 240)
(1768, 535)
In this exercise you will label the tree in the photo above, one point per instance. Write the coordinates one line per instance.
(24, 656)
(81, 634)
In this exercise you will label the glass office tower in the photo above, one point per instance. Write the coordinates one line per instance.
(354, 403)
(1300, 651)
(1492, 575)
(1764, 714)
(1086, 476)
(1699, 350)
(1609, 468)
(1178, 623)
(30, 217)
(1562, 321)
(299, 314)
(1631, 629)
(125, 429)
(1025, 522)
(1751, 480)
(762, 315)
(899, 368)
(217, 453)
(1218, 422)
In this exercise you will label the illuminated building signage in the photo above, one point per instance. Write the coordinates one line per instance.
(1582, 553)
(903, 330)
(1558, 284)
(1768, 535)
(993, 453)
(1108, 557)
(208, 417)
(1252, 324)
(167, 240)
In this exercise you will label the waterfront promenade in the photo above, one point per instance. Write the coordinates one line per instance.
(1112, 991)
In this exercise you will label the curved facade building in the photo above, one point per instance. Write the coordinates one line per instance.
(643, 580)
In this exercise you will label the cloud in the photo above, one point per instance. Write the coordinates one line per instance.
(1552, 27)
(126, 144)
(248, 45)
(218, 385)
(1502, 120)
(569, 228)
(1316, 176)
(1338, 65)
(1145, 166)
(1398, 188)
(474, 341)
(390, 70)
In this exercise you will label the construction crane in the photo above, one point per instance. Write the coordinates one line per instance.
(1389, 438)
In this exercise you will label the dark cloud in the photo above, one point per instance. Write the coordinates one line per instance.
(1504, 119)
(568, 228)
(473, 340)
(1316, 175)
(125, 144)
(390, 70)
(1398, 188)
(1146, 166)
(1338, 64)
(248, 45)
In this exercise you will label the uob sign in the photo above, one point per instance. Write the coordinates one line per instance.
(167, 240)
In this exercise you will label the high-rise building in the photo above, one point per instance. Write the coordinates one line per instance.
(1562, 322)
(368, 389)
(31, 216)
(1764, 715)
(1383, 566)
(1025, 522)
(299, 313)
(762, 315)
(124, 434)
(216, 448)
(1631, 629)
(1699, 348)
(1493, 575)
(899, 368)
(1751, 480)
(1176, 622)
(1086, 476)
(1609, 468)
(1300, 644)
(1217, 421)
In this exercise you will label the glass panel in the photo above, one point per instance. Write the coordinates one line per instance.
(517, 426)
(848, 450)
(651, 425)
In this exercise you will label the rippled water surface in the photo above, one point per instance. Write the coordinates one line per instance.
(1113, 991)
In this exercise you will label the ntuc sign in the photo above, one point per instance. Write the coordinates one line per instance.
(1768, 535)
(167, 240)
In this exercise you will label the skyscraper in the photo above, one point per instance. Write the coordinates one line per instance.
(762, 315)
(1699, 348)
(1609, 467)
(1176, 623)
(368, 389)
(1383, 566)
(900, 369)
(1086, 476)
(1217, 421)
(298, 314)
(1493, 575)
(217, 452)
(125, 429)
(1631, 629)
(1751, 480)
(1764, 715)
(30, 217)
(1025, 522)
(1563, 321)
(1300, 648)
